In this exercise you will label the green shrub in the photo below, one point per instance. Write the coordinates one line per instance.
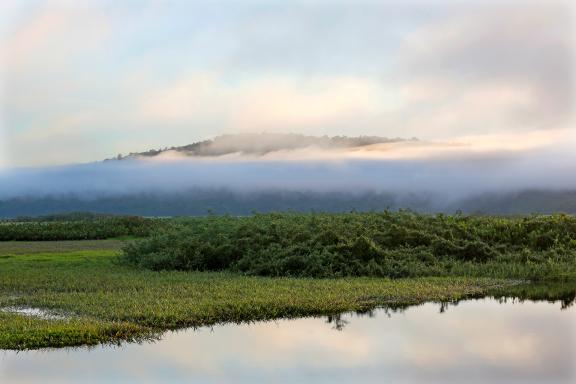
(363, 244)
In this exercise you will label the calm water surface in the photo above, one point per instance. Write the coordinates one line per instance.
(475, 341)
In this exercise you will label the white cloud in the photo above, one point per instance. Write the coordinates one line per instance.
(271, 102)
(486, 69)
(139, 80)
(3, 148)
(191, 98)
(48, 39)
(284, 104)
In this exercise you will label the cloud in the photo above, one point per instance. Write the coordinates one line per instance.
(469, 69)
(47, 85)
(116, 77)
(3, 147)
(51, 36)
(192, 98)
(490, 68)
(445, 172)
(58, 139)
(268, 102)
(282, 103)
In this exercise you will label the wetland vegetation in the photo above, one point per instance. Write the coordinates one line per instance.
(102, 301)
(191, 272)
(384, 244)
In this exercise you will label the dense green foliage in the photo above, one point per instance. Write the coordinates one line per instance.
(402, 244)
(94, 228)
(106, 302)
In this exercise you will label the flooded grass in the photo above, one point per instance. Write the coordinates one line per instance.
(22, 332)
(109, 302)
(36, 312)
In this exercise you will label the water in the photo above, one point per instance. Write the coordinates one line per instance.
(475, 341)
(34, 312)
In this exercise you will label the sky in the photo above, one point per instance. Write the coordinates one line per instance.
(84, 81)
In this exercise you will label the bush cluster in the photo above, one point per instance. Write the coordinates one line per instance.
(392, 244)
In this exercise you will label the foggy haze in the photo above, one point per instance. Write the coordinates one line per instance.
(441, 172)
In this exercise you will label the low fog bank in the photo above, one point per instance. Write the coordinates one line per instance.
(199, 202)
(529, 181)
(452, 176)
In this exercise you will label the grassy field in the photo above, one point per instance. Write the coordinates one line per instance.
(104, 301)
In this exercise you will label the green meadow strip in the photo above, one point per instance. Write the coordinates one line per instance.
(107, 302)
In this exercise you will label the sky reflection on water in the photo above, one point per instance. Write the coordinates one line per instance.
(476, 341)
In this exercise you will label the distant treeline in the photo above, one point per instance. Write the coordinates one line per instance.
(69, 216)
(81, 227)
(200, 202)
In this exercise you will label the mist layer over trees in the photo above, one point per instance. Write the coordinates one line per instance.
(496, 182)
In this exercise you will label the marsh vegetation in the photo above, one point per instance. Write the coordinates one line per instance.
(103, 301)
(152, 275)
(386, 244)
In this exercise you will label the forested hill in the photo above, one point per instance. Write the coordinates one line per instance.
(263, 143)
